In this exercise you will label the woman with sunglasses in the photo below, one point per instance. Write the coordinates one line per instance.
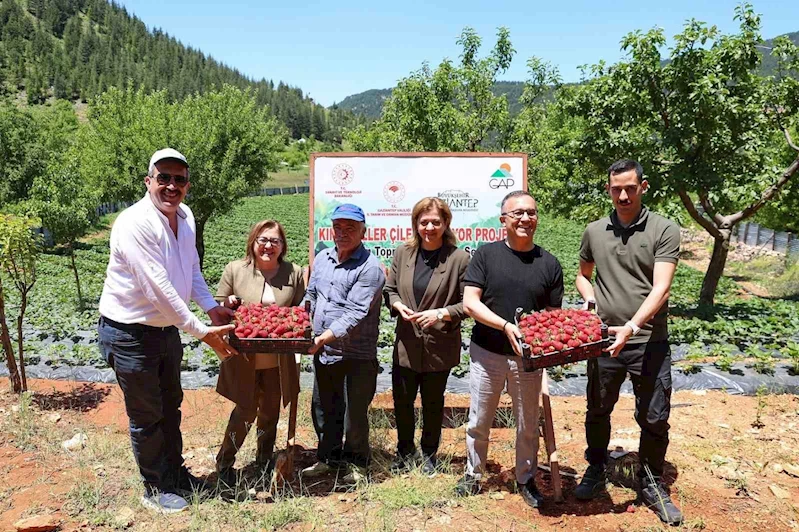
(256, 385)
(425, 289)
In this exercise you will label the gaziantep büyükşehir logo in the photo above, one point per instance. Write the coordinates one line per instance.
(502, 178)
(343, 174)
(394, 192)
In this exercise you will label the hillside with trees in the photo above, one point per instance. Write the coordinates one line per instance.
(77, 49)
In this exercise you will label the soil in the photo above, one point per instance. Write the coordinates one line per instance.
(725, 453)
(695, 252)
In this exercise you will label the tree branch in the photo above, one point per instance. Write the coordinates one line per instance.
(785, 132)
(767, 194)
(709, 209)
(701, 220)
(788, 138)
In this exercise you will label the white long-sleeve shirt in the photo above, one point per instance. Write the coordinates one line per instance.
(151, 274)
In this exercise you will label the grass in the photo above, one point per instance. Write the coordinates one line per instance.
(778, 276)
(104, 479)
(288, 178)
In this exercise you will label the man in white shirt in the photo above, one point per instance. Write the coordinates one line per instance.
(153, 272)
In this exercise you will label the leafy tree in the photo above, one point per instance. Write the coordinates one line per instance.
(449, 109)
(66, 207)
(230, 142)
(125, 128)
(22, 155)
(705, 124)
(19, 250)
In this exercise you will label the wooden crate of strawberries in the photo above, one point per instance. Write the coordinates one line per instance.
(271, 329)
(561, 336)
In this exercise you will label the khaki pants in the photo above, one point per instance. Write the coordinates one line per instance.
(267, 389)
(489, 372)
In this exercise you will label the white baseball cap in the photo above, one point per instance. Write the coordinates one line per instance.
(166, 153)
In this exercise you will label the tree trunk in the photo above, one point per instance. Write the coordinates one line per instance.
(77, 279)
(22, 308)
(721, 247)
(200, 228)
(8, 347)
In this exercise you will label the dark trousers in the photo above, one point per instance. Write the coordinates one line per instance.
(649, 366)
(146, 361)
(267, 412)
(406, 383)
(342, 393)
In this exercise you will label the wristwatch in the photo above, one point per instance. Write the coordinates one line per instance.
(440, 315)
(635, 328)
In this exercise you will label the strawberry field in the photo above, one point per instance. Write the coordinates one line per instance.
(741, 338)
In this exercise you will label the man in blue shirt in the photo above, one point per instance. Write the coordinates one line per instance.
(345, 294)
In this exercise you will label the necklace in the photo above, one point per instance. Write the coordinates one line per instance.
(429, 255)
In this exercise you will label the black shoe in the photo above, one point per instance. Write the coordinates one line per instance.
(530, 494)
(592, 483)
(189, 484)
(468, 485)
(655, 497)
(403, 463)
(428, 466)
(227, 478)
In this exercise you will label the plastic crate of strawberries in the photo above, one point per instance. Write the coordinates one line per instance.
(271, 329)
(561, 336)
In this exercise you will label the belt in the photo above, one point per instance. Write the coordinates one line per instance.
(136, 326)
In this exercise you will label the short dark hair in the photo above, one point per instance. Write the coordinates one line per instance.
(625, 165)
(514, 194)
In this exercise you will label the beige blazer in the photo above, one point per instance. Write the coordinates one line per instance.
(237, 375)
(439, 347)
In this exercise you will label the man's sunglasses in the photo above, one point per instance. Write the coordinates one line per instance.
(165, 179)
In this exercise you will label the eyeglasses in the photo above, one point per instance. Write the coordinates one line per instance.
(519, 214)
(264, 241)
(165, 179)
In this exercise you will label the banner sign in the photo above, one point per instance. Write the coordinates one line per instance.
(387, 185)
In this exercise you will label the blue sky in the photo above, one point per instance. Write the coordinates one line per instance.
(334, 49)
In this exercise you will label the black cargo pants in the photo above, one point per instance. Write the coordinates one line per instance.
(649, 366)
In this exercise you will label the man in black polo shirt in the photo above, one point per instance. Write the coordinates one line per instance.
(501, 277)
(635, 253)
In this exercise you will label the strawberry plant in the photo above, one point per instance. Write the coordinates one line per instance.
(791, 350)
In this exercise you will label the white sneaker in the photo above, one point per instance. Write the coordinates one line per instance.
(316, 470)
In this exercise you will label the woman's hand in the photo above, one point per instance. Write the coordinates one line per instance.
(404, 311)
(426, 318)
(232, 301)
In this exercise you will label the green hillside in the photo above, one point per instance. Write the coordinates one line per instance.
(76, 49)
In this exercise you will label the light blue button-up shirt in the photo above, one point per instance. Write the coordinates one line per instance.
(345, 298)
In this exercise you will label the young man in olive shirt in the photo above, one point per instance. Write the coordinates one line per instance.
(635, 253)
(501, 277)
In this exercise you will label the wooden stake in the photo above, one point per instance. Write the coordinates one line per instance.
(549, 439)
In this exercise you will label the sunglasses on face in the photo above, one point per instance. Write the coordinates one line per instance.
(165, 179)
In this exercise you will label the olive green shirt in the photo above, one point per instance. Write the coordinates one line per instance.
(625, 264)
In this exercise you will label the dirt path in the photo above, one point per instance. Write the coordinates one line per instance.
(720, 469)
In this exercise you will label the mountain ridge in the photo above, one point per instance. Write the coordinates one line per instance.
(369, 103)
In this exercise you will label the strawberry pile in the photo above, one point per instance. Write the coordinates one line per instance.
(556, 330)
(257, 321)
